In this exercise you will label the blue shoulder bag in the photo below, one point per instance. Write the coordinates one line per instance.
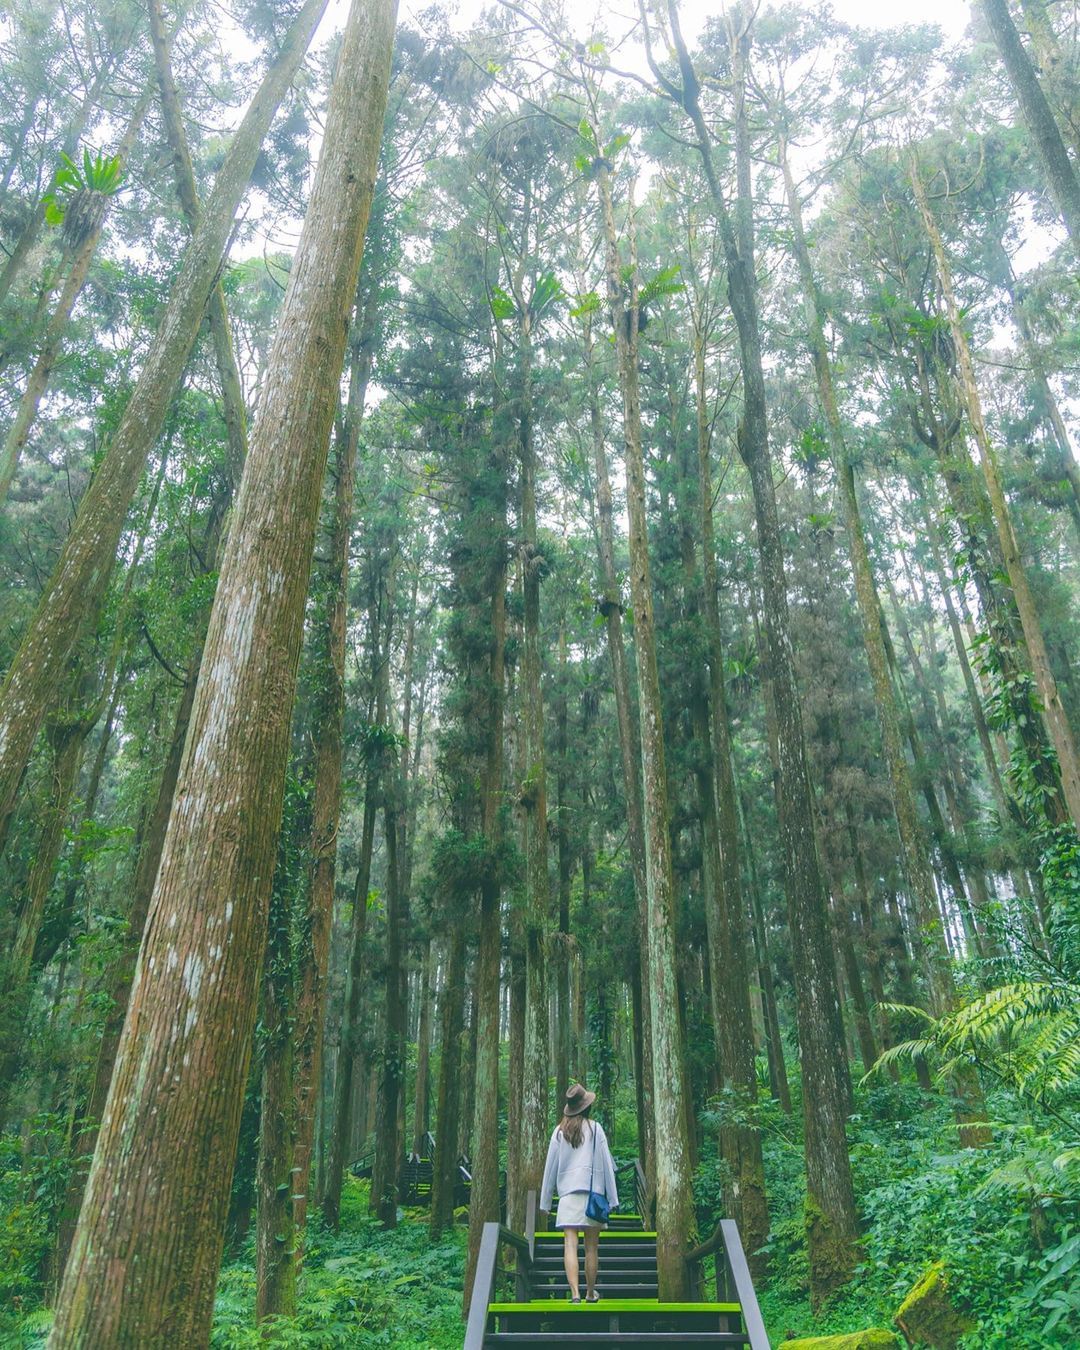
(597, 1207)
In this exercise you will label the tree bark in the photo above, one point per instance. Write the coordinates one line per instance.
(744, 1145)
(831, 1217)
(159, 1183)
(448, 1107)
(611, 608)
(484, 1193)
(343, 1120)
(1043, 129)
(1054, 715)
(675, 1217)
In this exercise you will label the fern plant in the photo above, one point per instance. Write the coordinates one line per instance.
(1026, 1034)
(79, 192)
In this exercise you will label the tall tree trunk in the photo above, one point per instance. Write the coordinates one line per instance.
(484, 1195)
(75, 592)
(914, 849)
(232, 393)
(774, 1045)
(611, 609)
(163, 1165)
(675, 1218)
(389, 1137)
(275, 1227)
(561, 991)
(346, 1081)
(66, 735)
(1054, 715)
(448, 1106)
(422, 1095)
(535, 1103)
(745, 1158)
(1044, 131)
(313, 955)
(79, 262)
(24, 246)
(831, 1216)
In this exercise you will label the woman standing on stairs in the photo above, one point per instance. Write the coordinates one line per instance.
(575, 1171)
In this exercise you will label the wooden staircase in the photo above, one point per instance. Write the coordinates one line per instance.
(416, 1175)
(629, 1311)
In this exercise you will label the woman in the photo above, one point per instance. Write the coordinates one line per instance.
(578, 1161)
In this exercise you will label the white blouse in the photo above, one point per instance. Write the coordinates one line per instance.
(569, 1167)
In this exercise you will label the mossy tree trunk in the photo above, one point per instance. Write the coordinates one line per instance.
(159, 1183)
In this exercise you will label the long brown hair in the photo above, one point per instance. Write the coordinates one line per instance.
(573, 1127)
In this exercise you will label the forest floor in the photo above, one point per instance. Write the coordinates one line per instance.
(1011, 1248)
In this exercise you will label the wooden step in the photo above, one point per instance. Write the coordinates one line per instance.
(557, 1340)
(548, 1259)
(608, 1292)
(651, 1306)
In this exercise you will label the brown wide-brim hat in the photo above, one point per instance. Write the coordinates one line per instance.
(577, 1100)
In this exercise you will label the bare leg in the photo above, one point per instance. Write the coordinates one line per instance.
(592, 1260)
(570, 1261)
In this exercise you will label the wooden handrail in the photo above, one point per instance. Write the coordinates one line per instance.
(492, 1238)
(726, 1238)
(531, 1214)
(641, 1193)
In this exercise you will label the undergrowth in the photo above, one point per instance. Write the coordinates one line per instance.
(364, 1285)
(1004, 1219)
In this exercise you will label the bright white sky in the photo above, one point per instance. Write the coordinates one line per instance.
(951, 15)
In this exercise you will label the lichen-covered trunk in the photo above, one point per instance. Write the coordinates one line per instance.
(831, 1216)
(448, 1105)
(24, 246)
(389, 1134)
(536, 1095)
(344, 1113)
(145, 1257)
(313, 954)
(484, 1194)
(76, 590)
(275, 1228)
(120, 977)
(611, 609)
(422, 1094)
(774, 1046)
(743, 1144)
(675, 1217)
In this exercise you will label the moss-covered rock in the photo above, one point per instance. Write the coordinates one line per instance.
(927, 1316)
(874, 1339)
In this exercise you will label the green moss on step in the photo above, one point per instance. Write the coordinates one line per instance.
(873, 1339)
(610, 1305)
(927, 1315)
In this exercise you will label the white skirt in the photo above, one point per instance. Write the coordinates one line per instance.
(571, 1211)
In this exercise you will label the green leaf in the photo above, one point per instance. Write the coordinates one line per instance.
(548, 291)
(588, 303)
(663, 283)
(502, 304)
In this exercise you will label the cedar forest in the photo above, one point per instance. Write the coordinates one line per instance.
(540, 547)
